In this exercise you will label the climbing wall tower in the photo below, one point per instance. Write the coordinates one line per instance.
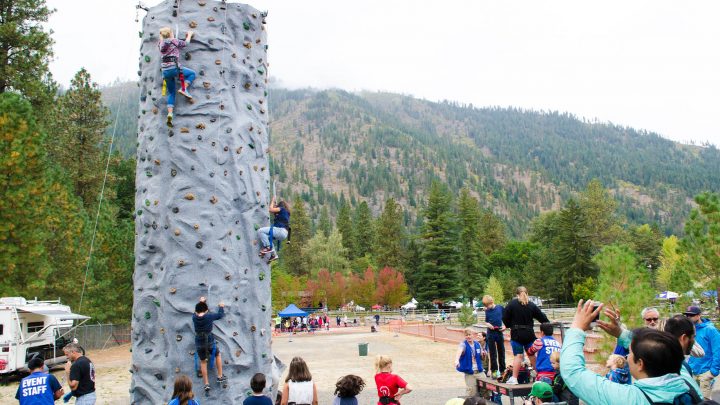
(201, 192)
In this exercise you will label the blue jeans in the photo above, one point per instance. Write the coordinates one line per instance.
(169, 75)
(496, 345)
(264, 235)
(87, 399)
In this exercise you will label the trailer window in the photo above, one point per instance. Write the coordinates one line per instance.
(1, 328)
(35, 326)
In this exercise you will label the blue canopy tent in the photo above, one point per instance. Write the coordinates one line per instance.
(291, 310)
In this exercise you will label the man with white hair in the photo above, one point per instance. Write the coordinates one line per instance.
(80, 375)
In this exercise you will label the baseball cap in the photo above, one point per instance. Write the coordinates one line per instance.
(541, 390)
(692, 310)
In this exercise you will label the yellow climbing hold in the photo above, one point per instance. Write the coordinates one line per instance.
(189, 196)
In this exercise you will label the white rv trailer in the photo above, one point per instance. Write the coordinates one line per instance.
(33, 328)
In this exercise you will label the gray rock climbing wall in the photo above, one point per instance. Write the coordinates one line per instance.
(202, 190)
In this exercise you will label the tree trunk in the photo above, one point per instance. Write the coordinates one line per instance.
(202, 189)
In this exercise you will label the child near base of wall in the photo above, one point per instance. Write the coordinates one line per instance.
(619, 371)
(257, 384)
(182, 392)
(170, 65)
(390, 387)
(346, 390)
(560, 390)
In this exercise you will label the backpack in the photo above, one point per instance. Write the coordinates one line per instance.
(690, 397)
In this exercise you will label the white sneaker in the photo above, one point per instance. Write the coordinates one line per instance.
(185, 93)
(512, 381)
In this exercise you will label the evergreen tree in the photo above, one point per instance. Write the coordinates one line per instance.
(295, 256)
(437, 277)
(491, 233)
(622, 282)
(324, 224)
(601, 219)
(472, 260)
(26, 50)
(364, 230)
(646, 241)
(702, 239)
(572, 251)
(344, 225)
(391, 234)
(76, 139)
(412, 264)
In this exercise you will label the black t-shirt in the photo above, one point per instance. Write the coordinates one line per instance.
(519, 318)
(83, 371)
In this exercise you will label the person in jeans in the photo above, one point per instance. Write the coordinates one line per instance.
(280, 228)
(495, 337)
(170, 65)
(80, 375)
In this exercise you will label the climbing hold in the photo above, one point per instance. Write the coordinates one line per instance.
(218, 61)
(213, 200)
(173, 172)
(162, 331)
(206, 85)
(196, 227)
(200, 126)
(189, 196)
(237, 354)
(264, 355)
(256, 226)
(246, 26)
(147, 315)
(251, 145)
(211, 19)
(177, 232)
(260, 101)
(201, 3)
(156, 202)
(156, 302)
(147, 58)
(262, 169)
(255, 166)
(184, 130)
(140, 34)
(225, 148)
(238, 150)
(193, 24)
(173, 290)
(147, 203)
(199, 137)
(247, 44)
(139, 212)
(147, 173)
(260, 71)
(150, 275)
(261, 276)
(175, 210)
(199, 244)
(227, 276)
(177, 370)
(181, 263)
(247, 85)
(222, 106)
(188, 56)
(157, 162)
(237, 237)
(249, 107)
(235, 333)
(263, 306)
(253, 328)
(262, 111)
(155, 110)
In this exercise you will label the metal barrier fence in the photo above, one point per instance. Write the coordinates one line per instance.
(101, 336)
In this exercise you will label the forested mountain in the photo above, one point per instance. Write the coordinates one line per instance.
(332, 145)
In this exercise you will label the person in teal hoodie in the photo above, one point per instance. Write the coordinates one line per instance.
(705, 368)
(655, 360)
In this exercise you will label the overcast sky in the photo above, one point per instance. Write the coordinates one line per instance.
(651, 65)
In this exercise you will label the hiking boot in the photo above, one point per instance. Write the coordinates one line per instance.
(512, 381)
(206, 387)
(185, 93)
(169, 119)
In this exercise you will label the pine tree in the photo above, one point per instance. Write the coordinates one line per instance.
(702, 239)
(391, 234)
(572, 251)
(26, 50)
(602, 221)
(437, 277)
(324, 224)
(646, 241)
(472, 260)
(622, 282)
(344, 225)
(76, 139)
(295, 253)
(364, 230)
(491, 233)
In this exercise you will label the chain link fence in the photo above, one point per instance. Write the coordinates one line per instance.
(101, 336)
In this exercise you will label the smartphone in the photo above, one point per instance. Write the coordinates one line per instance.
(595, 307)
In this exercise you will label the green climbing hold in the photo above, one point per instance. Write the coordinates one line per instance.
(147, 173)
(249, 107)
(263, 307)
(264, 355)
(147, 203)
(156, 302)
(139, 212)
(256, 226)
(262, 277)
(237, 237)
(265, 93)
(147, 315)
(149, 275)
(140, 34)
(260, 71)
(147, 58)
(246, 26)
(251, 145)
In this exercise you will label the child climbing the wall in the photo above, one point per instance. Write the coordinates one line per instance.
(170, 65)
(205, 341)
(280, 228)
